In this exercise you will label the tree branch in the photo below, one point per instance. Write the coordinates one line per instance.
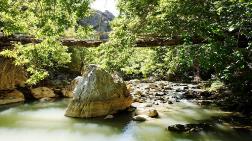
(147, 42)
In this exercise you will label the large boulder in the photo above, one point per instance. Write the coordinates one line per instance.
(8, 97)
(67, 91)
(42, 92)
(98, 93)
(10, 75)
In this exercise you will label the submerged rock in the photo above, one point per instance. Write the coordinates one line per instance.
(140, 118)
(177, 128)
(98, 93)
(190, 128)
(11, 97)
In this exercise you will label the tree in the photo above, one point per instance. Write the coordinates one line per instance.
(48, 20)
(224, 25)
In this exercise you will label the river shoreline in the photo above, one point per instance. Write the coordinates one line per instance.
(158, 95)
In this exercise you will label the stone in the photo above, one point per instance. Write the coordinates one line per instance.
(98, 93)
(58, 80)
(198, 93)
(190, 128)
(141, 101)
(156, 103)
(170, 102)
(193, 86)
(11, 75)
(161, 85)
(167, 87)
(148, 105)
(136, 99)
(46, 99)
(42, 92)
(160, 94)
(138, 93)
(109, 117)
(14, 96)
(135, 82)
(129, 87)
(140, 118)
(68, 90)
(180, 88)
(177, 128)
(152, 86)
(152, 113)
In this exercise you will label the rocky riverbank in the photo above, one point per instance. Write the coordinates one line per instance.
(154, 97)
(162, 93)
(150, 97)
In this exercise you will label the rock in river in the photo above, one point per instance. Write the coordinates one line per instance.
(150, 112)
(11, 97)
(68, 90)
(140, 118)
(153, 113)
(190, 128)
(42, 92)
(98, 93)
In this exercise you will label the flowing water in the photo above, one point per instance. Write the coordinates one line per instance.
(46, 122)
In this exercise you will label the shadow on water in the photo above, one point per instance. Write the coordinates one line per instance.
(60, 103)
(8, 106)
(120, 121)
(51, 115)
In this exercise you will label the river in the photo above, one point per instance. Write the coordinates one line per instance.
(38, 121)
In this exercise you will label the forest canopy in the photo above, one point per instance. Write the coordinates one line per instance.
(216, 37)
(223, 27)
